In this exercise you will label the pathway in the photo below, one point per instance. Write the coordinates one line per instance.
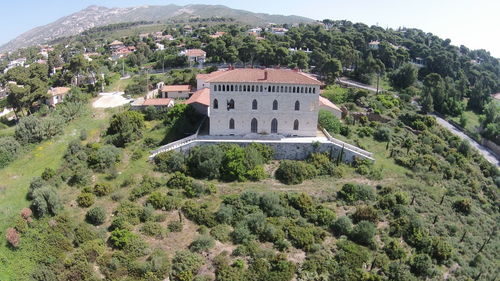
(355, 84)
(488, 154)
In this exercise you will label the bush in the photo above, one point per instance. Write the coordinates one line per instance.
(233, 164)
(147, 185)
(153, 229)
(163, 202)
(102, 189)
(382, 134)
(329, 122)
(196, 189)
(294, 172)
(13, 237)
(180, 181)
(84, 233)
(48, 174)
(103, 157)
(36, 183)
(199, 214)
(121, 238)
(33, 129)
(85, 199)
(96, 216)
(421, 265)
(363, 233)
(9, 150)
(322, 163)
(45, 202)
(353, 192)
(185, 264)
(175, 226)
(202, 244)
(205, 161)
(170, 162)
(221, 232)
(463, 205)
(365, 213)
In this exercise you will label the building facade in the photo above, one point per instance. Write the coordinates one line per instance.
(264, 101)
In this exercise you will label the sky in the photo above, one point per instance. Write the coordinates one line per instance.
(473, 23)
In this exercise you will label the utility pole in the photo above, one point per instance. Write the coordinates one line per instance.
(378, 81)
(123, 68)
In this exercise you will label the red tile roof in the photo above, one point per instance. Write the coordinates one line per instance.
(195, 53)
(58, 91)
(157, 102)
(176, 88)
(269, 75)
(326, 102)
(209, 75)
(201, 96)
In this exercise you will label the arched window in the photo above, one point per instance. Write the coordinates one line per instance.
(297, 105)
(254, 104)
(240, 88)
(216, 104)
(253, 126)
(231, 124)
(314, 90)
(296, 125)
(275, 105)
(230, 104)
(253, 88)
(232, 88)
(274, 126)
(261, 88)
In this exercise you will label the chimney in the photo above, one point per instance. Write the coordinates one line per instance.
(265, 75)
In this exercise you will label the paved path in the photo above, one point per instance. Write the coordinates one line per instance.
(107, 100)
(490, 157)
(355, 84)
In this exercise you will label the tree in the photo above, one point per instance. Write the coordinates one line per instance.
(13, 237)
(331, 69)
(434, 93)
(126, 127)
(404, 77)
(294, 172)
(45, 201)
(9, 149)
(329, 122)
(421, 265)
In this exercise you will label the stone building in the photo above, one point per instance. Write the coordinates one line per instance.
(264, 101)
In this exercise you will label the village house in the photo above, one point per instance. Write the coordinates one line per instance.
(195, 55)
(374, 45)
(15, 63)
(279, 30)
(176, 91)
(122, 52)
(217, 34)
(201, 79)
(56, 95)
(115, 45)
(264, 101)
(200, 101)
(326, 104)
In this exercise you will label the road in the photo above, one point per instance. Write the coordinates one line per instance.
(488, 155)
(355, 84)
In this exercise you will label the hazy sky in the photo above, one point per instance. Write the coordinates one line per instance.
(473, 23)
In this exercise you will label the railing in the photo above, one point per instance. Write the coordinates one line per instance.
(176, 144)
(346, 145)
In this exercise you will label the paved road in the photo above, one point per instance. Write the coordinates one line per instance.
(483, 150)
(355, 84)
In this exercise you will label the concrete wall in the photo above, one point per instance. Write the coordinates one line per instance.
(175, 95)
(291, 151)
(243, 112)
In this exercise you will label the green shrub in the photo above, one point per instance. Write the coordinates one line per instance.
(36, 183)
(153, 229)
(329, 122)
(322, 163)
(185, 264)
(354, 192)
(45, 202)
(96, 215)
(9, 150)
(363, 233)
(196, 189)
(48, 174)
(202, 244)
(84, 233)
(130, 212)
(365, 213)
(383, 134)
(199, 214)
(342, 226)
(421, 265)
(463, 205)
(120, 238)
(205, 161)
(170, 162)
(161, 201)
(102, 189)
(85, 199)
(180, 181)
(221, 232)
(147, 185)
(233, 166)
(294, 172)
(175, 226)
(104, 157)
(394, 250)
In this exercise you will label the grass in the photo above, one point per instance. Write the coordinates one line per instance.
(118, 85)
(472, 118)
(16, 177)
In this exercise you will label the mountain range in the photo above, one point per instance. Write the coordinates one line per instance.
(94, 16)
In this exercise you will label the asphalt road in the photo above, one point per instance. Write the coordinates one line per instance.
(483, 150)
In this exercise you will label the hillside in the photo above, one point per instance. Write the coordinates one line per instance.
(95, 16)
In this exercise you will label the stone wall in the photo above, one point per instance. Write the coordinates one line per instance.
(292, 151)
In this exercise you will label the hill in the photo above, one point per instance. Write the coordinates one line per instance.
(95, 16)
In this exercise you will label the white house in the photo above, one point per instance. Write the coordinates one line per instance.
(201, 79)
(57, 95)
(374, 45)
(195, 55)
(176, 91)
(264, 101)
